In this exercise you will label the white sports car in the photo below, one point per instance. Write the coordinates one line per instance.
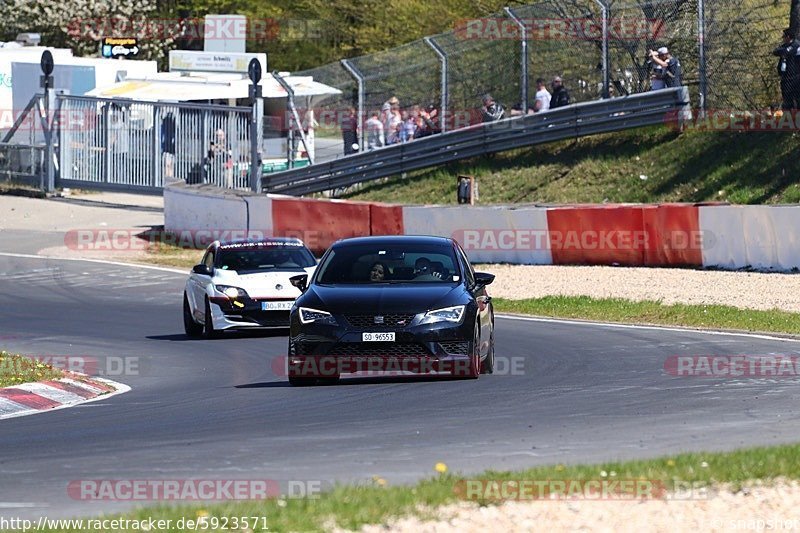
(244, 284)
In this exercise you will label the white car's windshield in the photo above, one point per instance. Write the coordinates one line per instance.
(248, 259)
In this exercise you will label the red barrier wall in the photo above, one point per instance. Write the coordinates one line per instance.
(319, 222)
(601, 235)
(386, 219)
(674, 237)
(649, 235)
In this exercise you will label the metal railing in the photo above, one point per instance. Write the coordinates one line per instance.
(21, 163)
(137, 145)
(588, 118)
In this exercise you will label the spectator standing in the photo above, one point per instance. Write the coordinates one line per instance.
(375, 137)
(409, 127)
(491, 110)
(656, 74)
(168, 136)
(543, 96)
(789, 70)
(386, 119)
(431, 116)
(560, 96)
(350, 131)
(670, 64)
(310, 125)
(220, 160)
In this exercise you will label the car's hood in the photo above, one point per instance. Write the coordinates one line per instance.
(267, 284)
(378, 298)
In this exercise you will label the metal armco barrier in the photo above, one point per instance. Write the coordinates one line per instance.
(136, 145)
(604, 116)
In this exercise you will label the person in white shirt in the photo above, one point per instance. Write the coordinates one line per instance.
(375, 137)
(542, 96)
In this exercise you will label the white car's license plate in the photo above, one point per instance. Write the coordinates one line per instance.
(378, 337)
(276, 306)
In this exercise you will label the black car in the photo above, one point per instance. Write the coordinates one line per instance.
(384, 304)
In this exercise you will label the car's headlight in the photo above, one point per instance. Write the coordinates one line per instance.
(308, 315)
(453, 314)
(231, 292)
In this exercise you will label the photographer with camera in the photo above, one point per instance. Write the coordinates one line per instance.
(491, 110)
(789, 70)
(656, 73)
(670, 64)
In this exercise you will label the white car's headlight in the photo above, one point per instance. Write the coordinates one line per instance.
(231, 292)
(308, 315)
(453, 314)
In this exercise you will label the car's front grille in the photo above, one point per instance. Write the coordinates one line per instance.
(455, 347)
(379, 321)
(262, 318)
(378, 349)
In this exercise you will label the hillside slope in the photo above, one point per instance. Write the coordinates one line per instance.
(645, 165)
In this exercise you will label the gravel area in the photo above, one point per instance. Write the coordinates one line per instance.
(746, 290)
(756, 508)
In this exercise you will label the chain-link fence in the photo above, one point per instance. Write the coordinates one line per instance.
(724, 48)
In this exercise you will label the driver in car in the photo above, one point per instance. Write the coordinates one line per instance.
(424, 267)
(377, 272)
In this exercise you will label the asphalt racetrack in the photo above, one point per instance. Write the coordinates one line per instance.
(216, 409)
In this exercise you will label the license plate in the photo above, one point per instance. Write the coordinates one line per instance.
(378, 337)
(276, 306)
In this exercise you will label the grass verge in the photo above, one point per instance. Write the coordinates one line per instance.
(17, 369)
(374, 503)
(168, 255)
(655, 164)
(651, 312)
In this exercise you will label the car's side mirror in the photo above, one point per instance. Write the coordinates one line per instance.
(300, 281)
(483, 278)
(202, 269)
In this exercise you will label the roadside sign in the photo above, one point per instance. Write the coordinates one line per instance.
(119, 47)
(254, 71)
(47, 62)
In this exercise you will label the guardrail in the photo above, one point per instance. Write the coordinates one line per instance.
(577, 120)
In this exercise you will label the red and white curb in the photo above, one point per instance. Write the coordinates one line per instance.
(43, 396)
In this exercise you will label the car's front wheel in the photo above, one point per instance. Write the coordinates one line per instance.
(210, 332)
(294, 380)
(192, 328)
(488, 364)
(474, 369)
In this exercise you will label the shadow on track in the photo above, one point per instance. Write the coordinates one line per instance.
(243, 334)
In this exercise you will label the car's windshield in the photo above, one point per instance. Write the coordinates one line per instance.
(394, 263)
(248, 258)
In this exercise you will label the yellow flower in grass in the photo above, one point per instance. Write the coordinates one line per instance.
(202, 513)
(440, 467)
